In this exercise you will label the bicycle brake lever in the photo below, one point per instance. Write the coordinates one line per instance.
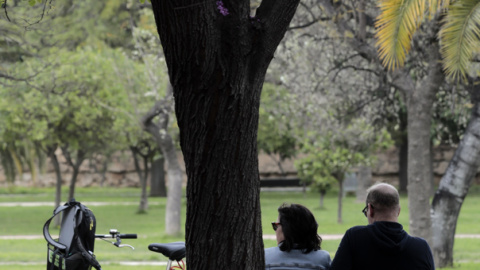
(125, 245)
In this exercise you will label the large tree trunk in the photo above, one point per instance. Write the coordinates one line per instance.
(453, 189)
(419, 109)
(217, 57)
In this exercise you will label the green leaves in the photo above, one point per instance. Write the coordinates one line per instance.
(272, 138)
(460, 37)
(33, 2)
(459, 34)
(396, 24)
(326, 159)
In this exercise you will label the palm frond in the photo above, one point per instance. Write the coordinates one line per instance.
(437, 5)
(459, 37)
(396, 24)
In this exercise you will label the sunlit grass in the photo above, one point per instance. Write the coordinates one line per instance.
(121, 213)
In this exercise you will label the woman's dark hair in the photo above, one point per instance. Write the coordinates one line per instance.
(299, 228)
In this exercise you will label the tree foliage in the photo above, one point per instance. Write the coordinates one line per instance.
(275, 136)
(399, 20)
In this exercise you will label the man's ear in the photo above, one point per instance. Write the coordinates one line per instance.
(371, 211)
(399, 210)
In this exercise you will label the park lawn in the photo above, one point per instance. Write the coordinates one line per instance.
(33, 254)
(122, 214)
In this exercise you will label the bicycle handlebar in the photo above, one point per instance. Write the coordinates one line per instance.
(114, 234)
(122, 235)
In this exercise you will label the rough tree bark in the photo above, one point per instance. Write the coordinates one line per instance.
(454, 187)
(217, 56)
(162, 110)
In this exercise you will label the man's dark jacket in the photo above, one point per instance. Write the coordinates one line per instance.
(382, 245)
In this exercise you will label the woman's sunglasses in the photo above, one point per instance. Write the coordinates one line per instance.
(275, 225)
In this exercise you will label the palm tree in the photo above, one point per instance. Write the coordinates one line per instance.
(399, 19)
(459, 40)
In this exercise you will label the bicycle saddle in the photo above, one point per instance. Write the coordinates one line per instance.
(174, 251)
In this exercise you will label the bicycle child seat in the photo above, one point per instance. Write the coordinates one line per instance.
(174, 251)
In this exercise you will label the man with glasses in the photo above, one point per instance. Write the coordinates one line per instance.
(383, 244)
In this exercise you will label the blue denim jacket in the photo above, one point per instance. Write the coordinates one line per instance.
(275, 259)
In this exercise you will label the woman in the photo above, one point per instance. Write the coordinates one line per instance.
(298, 241)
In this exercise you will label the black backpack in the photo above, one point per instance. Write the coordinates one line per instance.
(73, 250)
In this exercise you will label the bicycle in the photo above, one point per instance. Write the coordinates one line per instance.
(174, 251)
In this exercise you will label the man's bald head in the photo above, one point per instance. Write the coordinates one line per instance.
(384, 197)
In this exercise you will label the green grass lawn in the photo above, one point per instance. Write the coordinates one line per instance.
(122, 214)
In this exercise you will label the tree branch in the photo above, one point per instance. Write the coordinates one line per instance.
(275, 16)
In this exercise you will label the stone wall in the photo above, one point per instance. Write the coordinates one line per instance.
(121, 171)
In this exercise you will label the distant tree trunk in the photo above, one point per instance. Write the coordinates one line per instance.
(157, 178)
(454, 187)
(364, 178)
(403, 166)
(103, 173)
(143, 150)
(419, 108)
(402, 145)
(75, 165)
(143, 181)
(322, 197)
(162, 110)
(217, 57)
(340, 177)
(58, 186)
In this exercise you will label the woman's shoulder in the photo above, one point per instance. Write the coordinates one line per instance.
(272, 251)
(296, 259)
(321, 253)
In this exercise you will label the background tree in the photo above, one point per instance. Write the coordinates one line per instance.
(156, 121)
(459, 39)
(454, 186)
(274, 139)
(425, 75)
(341, 150)
(139, 71)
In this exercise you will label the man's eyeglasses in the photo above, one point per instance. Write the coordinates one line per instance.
(364, 211)
(275, 225)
